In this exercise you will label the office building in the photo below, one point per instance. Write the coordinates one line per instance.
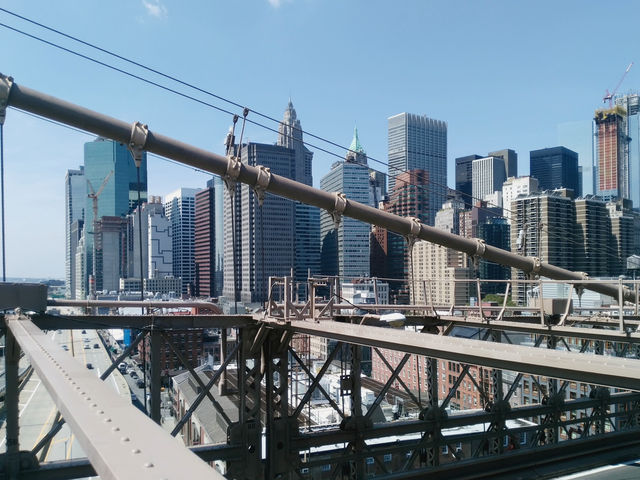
(75, 199)
(417, 142)
(630, 103)
(110, 252)
(157, 248)
(409, 198)
(488, 175)
(555, 167)
(495, 232)
(464, 178)
(179, 208)
(267, 231)
(345, 246)
(112, 187)
(205, 242)
(512, 188)
(307, 218)
(510, 158)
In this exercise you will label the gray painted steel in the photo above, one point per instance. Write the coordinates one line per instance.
(55, 109)
(120, 442)
(595, 369)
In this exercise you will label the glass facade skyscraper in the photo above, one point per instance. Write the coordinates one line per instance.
(109, 170)
(417, 142)
(75, 196)
(555, 167)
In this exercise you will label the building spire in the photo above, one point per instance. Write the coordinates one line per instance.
(355, 143)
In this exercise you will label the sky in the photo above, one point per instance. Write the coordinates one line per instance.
(502, 74)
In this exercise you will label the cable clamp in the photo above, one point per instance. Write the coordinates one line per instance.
(5, 89)
(339, 207)
(262, 183)
(233, 172)
(481, 247)
(415, 227)
(537, 265)
(138, 139)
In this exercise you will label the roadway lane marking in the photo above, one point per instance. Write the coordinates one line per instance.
(24, 407)
(33, 392)
(44, 426)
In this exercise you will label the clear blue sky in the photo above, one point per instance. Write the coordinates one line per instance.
(503, 74)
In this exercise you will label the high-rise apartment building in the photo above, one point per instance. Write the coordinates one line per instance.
(464, 178)
(345, 246)
(555, 167)
(594, 245)
(611, 154)
(512, 188)
(623, 238)
(417, 142)
(75, 199)
(179, 208)
(488, 175)
(495, 232)
(112, 185)
(439, 273)
(543, 225)
(110, 250)
(307, 217)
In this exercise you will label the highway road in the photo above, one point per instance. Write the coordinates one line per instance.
(620, 471)
(37, 409)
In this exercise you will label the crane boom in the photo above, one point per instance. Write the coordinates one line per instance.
(608, 97)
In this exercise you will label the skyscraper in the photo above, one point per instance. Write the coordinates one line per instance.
(157, 260)
(543, 225)
(555, 167)
(179, 208)
(205, 241)
(419, 142)
(464, 178)
(75, 196)
(488, 176)
(345, 246)
(631, 127)
(111, 180)
(307, 217)
(267, 234)
(409, 198)
(611, 148)
(510, 158)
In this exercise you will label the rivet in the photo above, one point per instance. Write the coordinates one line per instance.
(148, 465)
(135, 450)
(107, 420)
(116, 429)
(100, 412)
(124, 439)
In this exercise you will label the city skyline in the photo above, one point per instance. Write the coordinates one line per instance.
(482, 115)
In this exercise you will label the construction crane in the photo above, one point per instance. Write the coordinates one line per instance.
(608, 97)
(94, 196)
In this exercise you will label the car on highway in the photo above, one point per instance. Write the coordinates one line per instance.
(84, 331)
(95, 345)
(122, 367)
(87, 347)
(140, 383)
(65, 348)
(89, 366)
(133, 374)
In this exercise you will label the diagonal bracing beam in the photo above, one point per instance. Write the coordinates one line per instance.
(118, 439)
(595, 369)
